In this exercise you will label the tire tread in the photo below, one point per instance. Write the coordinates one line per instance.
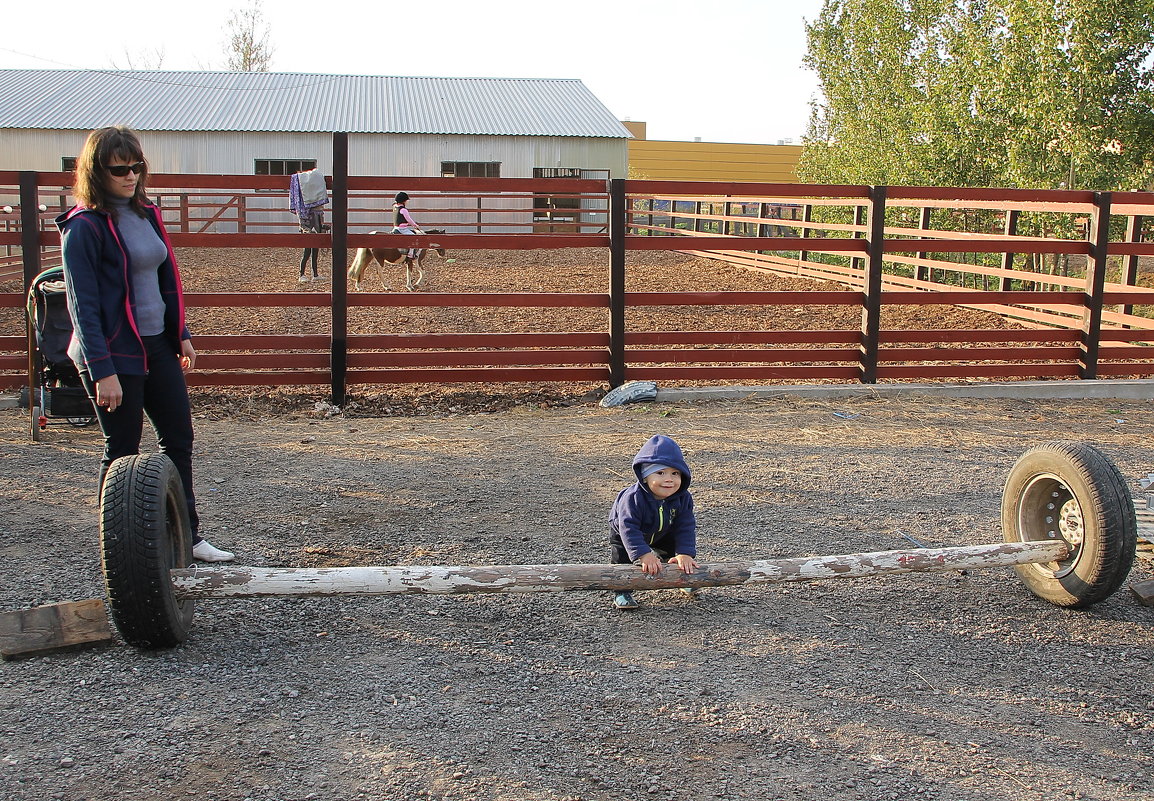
(138, 493)
(1108, 546)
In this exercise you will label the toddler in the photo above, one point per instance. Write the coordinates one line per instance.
(652, 521)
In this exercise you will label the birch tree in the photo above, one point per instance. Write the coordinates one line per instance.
(247, 46)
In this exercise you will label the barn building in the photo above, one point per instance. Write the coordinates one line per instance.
(273, 123)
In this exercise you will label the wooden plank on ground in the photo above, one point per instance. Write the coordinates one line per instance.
(1145, 516)
(42, 629)
(1144, 591)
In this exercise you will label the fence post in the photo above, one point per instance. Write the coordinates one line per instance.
(339, 345)
(617, 220)
(30, 253)
(859, 219)
(922, 272)
(872, 287)
(1130, 263)
(806, 216)
(29, 227)
(1095, 285)
(1007, 283)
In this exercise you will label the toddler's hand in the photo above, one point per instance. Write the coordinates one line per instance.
(650, 564)
(687, 563)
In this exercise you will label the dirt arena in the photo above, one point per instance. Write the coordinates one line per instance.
(949, 686)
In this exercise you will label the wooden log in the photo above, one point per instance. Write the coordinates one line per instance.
(250, 582)
(53, 627)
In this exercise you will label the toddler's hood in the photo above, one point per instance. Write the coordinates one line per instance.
(663, 450)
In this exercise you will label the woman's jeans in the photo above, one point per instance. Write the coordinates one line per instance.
(313, 252)
(162, 394)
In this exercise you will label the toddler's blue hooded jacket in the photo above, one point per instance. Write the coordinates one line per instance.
(639, 518)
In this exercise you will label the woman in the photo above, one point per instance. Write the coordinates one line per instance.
(129, 340)
(312, 222)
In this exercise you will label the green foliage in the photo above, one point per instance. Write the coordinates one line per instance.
(1020, 93)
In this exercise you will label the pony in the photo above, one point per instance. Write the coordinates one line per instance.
(414, 265)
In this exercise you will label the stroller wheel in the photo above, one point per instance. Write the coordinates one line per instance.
(39, 425)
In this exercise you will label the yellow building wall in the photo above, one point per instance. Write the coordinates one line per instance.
(712, 161)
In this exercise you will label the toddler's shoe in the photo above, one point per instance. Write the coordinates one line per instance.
(692, 592)
(205, 551)
(625, 600)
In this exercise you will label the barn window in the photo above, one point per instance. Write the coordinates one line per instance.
(553, 202)
(68, 163)
(282, 166)
(556, 172)
(470, 169)
(561, 212)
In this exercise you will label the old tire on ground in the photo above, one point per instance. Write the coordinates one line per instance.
(144, 533)
(1071, 491)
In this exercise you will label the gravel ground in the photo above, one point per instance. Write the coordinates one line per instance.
(930, 686)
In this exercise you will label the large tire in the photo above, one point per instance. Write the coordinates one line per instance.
(1071, 491)
(144, 533)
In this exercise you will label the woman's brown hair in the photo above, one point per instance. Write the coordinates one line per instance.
(103, 145)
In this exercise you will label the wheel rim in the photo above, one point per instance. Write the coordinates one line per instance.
(176, 544)
(1047, 511)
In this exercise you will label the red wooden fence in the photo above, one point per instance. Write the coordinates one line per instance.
(1071, 333)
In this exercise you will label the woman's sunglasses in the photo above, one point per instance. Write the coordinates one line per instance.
(121, 170)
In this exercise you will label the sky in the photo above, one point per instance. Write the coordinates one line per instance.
(721, 71)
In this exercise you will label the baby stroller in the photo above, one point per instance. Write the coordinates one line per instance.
(57, 392)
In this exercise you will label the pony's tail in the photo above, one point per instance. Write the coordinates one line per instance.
(360, 263)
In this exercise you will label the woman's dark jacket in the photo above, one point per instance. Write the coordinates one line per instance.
(105, 340)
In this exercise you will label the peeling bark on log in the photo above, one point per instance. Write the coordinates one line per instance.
(250, 582)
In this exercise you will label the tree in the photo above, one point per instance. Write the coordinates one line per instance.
(142, 60)
(1025, 93)
(248, 47)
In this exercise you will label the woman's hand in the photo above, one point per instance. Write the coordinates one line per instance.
(109, 393)
(188, 355)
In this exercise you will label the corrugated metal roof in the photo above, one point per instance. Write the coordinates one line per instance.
(154, 100)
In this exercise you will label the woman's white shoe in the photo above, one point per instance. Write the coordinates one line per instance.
(205, 551)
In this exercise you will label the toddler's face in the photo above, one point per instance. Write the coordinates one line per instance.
(663, 483)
